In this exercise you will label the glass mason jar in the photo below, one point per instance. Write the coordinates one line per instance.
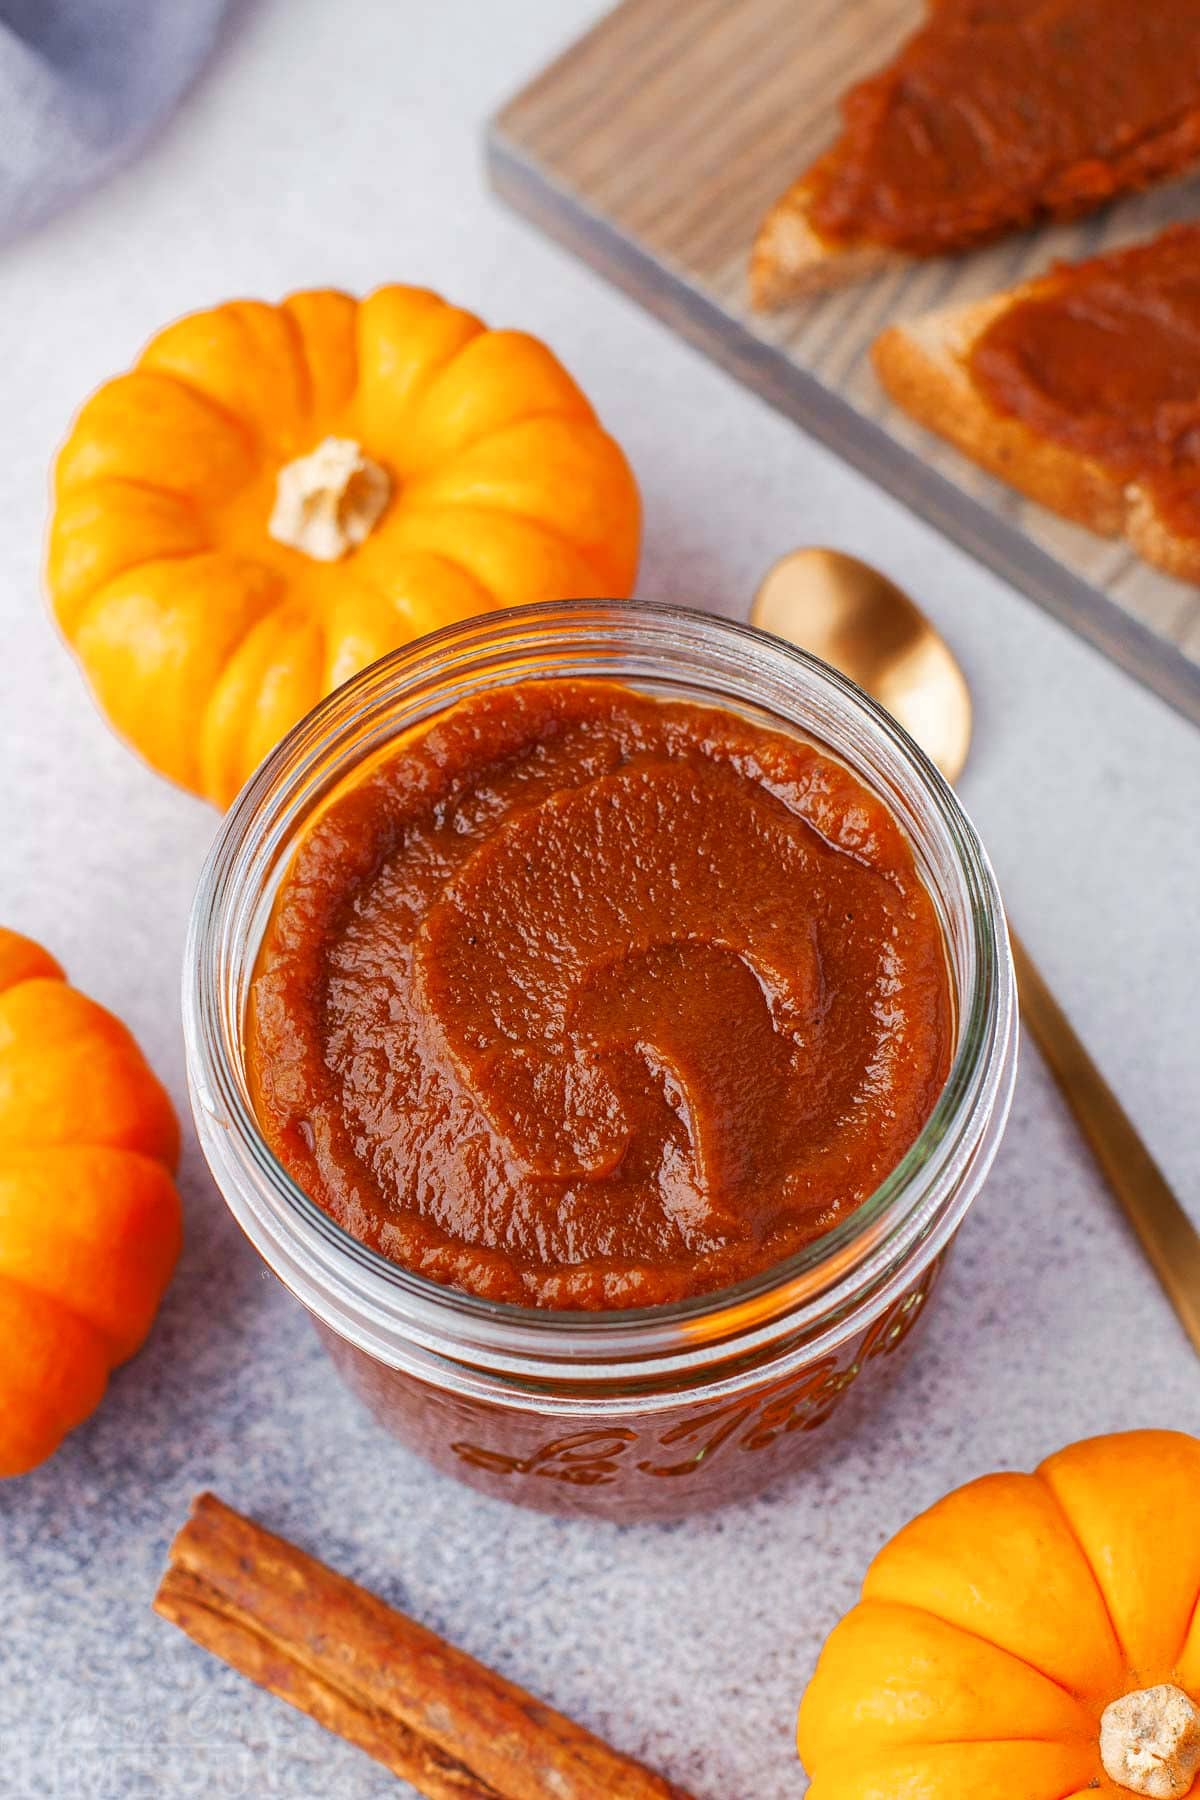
(647, 1413)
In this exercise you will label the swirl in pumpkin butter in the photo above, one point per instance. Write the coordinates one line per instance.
(587, 999)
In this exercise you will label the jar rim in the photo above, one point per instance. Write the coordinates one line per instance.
(908, 1211)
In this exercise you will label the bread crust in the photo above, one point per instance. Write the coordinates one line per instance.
(790, 260)
(924, 365)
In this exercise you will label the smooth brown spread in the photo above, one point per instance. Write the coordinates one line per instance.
(1000, 112)
(586, 999)
(1103, 357)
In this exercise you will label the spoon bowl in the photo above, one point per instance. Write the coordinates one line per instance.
(853, 617)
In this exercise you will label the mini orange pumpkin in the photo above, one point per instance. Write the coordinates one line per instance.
(1031, 1637)
(89, 1214)
(275, 496)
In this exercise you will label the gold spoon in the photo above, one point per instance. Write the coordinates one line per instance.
(850, 615)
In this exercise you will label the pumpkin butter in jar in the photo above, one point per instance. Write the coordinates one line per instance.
(589, 999)
(609, 1023)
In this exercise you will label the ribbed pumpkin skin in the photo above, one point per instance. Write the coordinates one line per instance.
(90, 1222)
(203, 638)
(994, 1630)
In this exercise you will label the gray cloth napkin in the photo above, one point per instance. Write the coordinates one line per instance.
(82, 84)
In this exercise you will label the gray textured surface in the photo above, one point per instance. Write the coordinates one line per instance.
(319, 151)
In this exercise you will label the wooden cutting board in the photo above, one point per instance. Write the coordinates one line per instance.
(653, 147)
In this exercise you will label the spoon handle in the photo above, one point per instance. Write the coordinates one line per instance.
(1170, 1240)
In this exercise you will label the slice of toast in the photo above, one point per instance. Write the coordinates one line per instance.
(972, 131)
(925, 367)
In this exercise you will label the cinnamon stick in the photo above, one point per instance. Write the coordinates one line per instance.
(451, 1727)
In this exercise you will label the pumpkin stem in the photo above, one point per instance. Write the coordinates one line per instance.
(1150, 1742)
(329, 501)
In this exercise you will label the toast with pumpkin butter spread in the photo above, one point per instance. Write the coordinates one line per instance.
(1081, 389)
(993, 116)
